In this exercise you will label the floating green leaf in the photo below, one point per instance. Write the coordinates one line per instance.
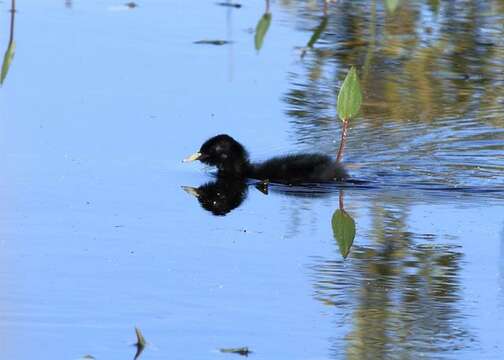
(140, 344)
(140, 338)
(344, 231)
(392, 5)
(9, 55)
(261, 30)
(350, 96)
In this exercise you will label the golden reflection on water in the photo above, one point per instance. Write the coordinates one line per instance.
(422, 63)
(430, 71)
(402, 294)
(433, 77)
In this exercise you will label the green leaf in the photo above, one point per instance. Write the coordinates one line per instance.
(261, 30)
(392, 5)
(140, 338)
(350, 96)
(344, 231)
(9, 55)
(317, 32)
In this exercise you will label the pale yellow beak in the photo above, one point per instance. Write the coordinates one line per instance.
(191, 190)
(193, 157)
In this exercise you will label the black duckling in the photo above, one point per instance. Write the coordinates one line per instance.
(232, 160)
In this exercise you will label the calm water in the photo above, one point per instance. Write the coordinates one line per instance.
(101, 103)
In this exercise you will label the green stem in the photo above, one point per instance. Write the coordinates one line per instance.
(344, 134)
(13, 11)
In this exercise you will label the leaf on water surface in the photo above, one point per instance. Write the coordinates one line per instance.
(244, 351)
(349, 96)
(140, 338)
(9, 55)
(344, 231)
(392, 5)
(261, 30)
(140, 344)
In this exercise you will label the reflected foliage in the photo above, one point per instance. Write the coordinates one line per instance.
(392, 5)
(433, 84)
(316, 34)
(343, 226)
(402, 293)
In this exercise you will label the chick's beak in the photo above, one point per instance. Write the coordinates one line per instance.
(191, 190)
(193, 157)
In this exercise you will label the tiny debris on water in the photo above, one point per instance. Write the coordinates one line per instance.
(131, 5)
(213, 42)
(243, 351)
(234, 5)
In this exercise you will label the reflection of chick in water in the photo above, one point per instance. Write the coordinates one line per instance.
(220, 196)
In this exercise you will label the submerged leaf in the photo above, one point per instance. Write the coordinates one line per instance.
(350, 96)
(9, 55)
(261, 30)
(344, 231)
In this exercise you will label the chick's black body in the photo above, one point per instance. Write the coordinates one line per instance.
(232, 160)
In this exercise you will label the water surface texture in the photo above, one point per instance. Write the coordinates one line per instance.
(101, 102)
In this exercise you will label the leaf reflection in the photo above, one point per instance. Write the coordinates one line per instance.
(343, 226)
(402, 292)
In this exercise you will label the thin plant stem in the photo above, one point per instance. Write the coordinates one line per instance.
(13, 10)
(344, 134)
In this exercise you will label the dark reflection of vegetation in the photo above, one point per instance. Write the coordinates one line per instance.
(343, 227)
(403, 293)
(9, 53)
